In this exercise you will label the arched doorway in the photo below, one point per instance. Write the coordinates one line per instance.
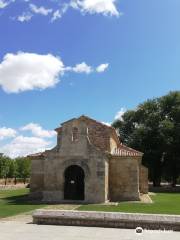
(74, 183)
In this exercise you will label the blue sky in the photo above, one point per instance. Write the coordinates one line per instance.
(61, 59)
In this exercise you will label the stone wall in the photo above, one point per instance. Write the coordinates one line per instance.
(107, 177)
(37, 178)
(82, 153)
(100, 135)
(143, 179)
(124, 178)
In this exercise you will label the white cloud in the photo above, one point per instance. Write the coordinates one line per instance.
(7, 133)
(5, 3)
(107, 123)
(25, 17)
(56, 15)
(22, 146)
(119, 114)
(85, 68)
(40, 10)
(105, 7)
(102, 67)
(27, 71)
(82, 68)
(59, 13)
(38, 131)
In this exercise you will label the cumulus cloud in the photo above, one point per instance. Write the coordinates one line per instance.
(102, 67)
(85, 68)
(24, 17)
(22, 146)
(7, 133)
(26, 71)
(119, 114)
(105, 7)
(40, 10)
(38, 131)
(82, 68)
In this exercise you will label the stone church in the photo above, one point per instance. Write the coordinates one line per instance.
(88, 164)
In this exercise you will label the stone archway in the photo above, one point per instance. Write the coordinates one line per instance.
(74, 183)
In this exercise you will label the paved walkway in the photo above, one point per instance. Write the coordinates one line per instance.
(21, 228)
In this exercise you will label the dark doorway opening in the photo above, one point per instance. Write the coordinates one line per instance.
(74, 183)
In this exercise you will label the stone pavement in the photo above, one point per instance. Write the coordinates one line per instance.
(19, 230)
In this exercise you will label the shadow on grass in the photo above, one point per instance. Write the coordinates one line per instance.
(22, 200)
(164, 189)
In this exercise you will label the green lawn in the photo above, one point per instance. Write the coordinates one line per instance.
(163, 203)
(13, 202)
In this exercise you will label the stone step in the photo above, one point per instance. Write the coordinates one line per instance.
(107, 219)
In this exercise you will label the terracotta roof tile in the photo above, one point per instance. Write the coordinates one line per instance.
(123, 150)
(36, 155)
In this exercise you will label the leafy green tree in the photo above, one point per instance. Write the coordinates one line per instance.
(23, 168)
(170, 110)
(15, 171)
(154, 129)
(4, 167)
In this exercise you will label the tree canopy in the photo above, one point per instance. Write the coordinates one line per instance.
(154, 128)
(14, 168)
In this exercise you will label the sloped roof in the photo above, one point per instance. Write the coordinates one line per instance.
(86, 118)
(123, 150)
(37, 155)
(93, 120)
(89, 119)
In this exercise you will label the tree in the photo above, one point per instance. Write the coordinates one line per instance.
(23, 168)
(4, 167)
(170, 109)
(154, 128)
(14, 168)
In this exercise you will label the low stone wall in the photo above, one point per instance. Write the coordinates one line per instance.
(107, 219)
(8, 187)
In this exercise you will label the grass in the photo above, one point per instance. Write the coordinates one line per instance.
(13, 202)
(163, 203)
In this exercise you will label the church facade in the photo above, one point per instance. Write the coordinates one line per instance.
(88, 164)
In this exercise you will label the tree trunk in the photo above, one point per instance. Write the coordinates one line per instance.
(156, 183)
(174, 181)
(174, 172)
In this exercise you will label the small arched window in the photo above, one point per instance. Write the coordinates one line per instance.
(75, 134)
